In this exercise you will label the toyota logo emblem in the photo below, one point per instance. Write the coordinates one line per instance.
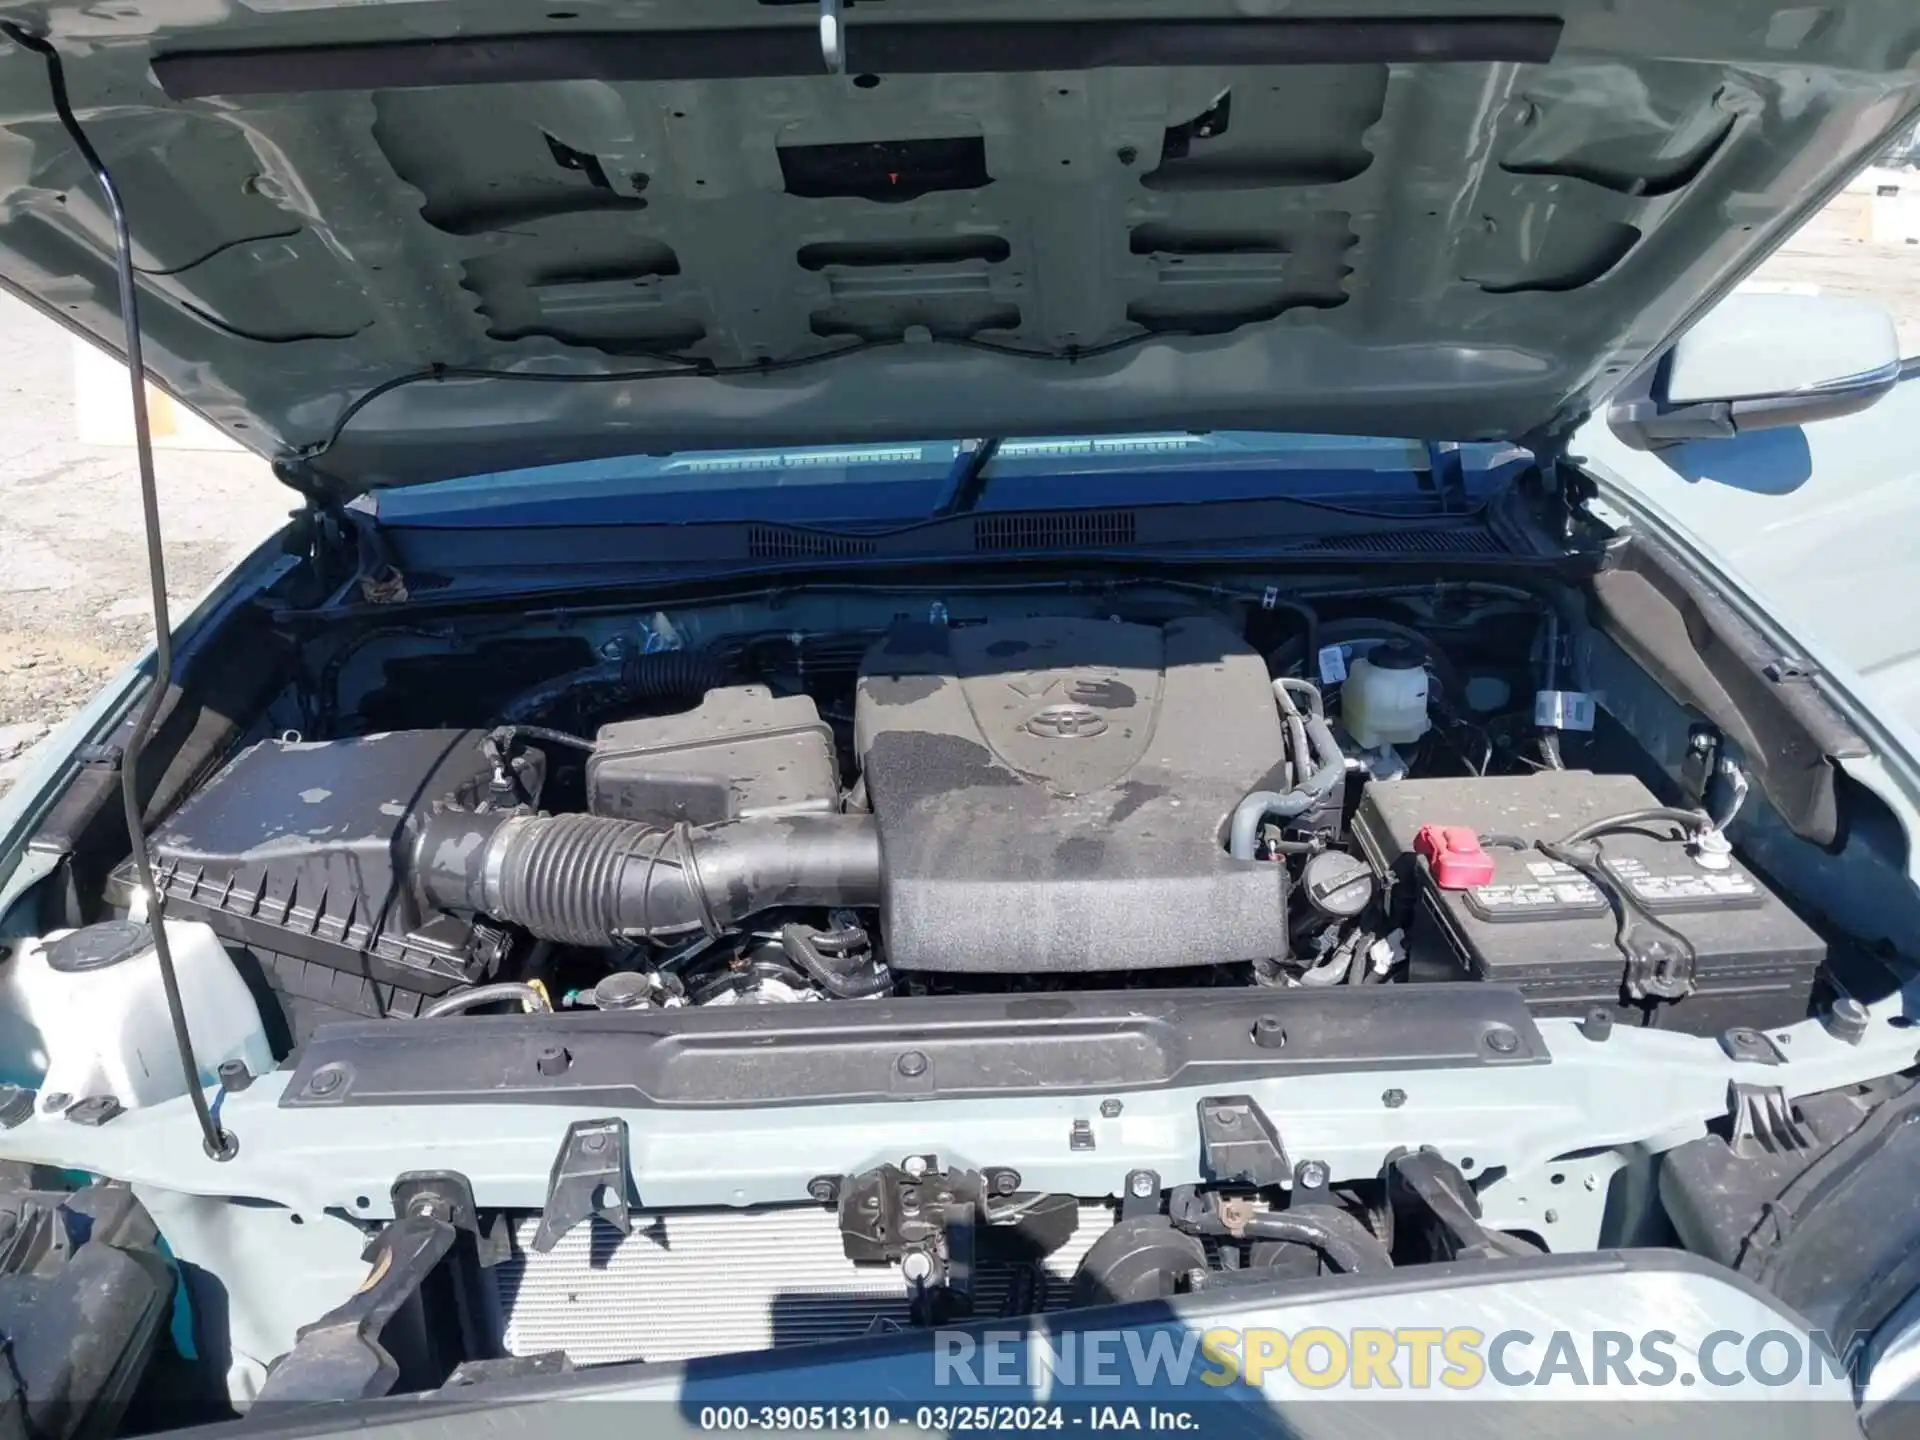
(1066, 722)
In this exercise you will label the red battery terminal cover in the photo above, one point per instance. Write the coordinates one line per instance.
(1454, 853)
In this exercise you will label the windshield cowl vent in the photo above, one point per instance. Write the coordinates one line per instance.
(1072, 529)
(772, 542)
(1451, 540)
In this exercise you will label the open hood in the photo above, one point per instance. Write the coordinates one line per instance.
(959, 217)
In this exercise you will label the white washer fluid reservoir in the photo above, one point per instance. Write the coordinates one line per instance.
(89, 1008)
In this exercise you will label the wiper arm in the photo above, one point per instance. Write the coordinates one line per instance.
(967, 481)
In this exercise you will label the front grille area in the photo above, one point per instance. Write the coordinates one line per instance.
(687, 1283)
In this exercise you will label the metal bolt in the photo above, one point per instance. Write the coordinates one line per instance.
(1227, 1119)
(1110, 1109)
(915, 1165)
(1393, 1099)
(553, 1060)
(917, 1266)
(1313, 1174)
(325, 1082)
(1846, 1020)
(593, 1142)
(56, 1100)
(1197, 1278)
(1005, 1182)
(1269, 1033)
(910, 1201)
(825, 1190)
(1141, 1183)
(1553, 1217)
(1502, 1041)
(872, 1202)
(911, 1064)
(424, 1205)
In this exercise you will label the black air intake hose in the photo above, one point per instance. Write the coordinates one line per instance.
(662, 675)
(591, 880)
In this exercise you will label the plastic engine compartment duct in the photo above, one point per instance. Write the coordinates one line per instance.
(592, 880)
(1053, 794)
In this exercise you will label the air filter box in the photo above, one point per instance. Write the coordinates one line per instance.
(297, 850)
(1546, 928)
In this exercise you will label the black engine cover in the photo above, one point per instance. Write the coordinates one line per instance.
(1053, 794)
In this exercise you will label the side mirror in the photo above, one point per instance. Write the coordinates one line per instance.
(1754, 362)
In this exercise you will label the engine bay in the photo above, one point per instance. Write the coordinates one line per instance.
(1291, 881)
(1408, 787)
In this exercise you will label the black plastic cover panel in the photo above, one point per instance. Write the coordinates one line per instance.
(1069, 1042)
(299, 848)
(1052, 795)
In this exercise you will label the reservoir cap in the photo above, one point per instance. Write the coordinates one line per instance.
(95, 947)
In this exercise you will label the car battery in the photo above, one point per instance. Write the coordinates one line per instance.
(1510, 914)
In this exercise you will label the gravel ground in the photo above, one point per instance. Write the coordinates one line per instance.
(73, 572)
(1826, 255)
(73, 579)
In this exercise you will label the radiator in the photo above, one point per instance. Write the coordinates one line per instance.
(687, 1283)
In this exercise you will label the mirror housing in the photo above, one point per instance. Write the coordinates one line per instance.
(1758, 361)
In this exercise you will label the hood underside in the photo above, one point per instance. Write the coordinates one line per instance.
(1444, 221)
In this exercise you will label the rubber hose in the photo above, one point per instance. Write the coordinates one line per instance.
(1248, 814)
(661, 675)
(860, 983)
(1328, 972)
(1299, 756)
(1349, 1246)
(460, 1000)
(1309, 623)
(1290, 685)
(593, 880)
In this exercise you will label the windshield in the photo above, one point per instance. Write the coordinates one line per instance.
(881, 483)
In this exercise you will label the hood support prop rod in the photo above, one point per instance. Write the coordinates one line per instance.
(219, 1143)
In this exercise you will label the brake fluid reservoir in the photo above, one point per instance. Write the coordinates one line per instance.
(1384, 700)
(89, 1008)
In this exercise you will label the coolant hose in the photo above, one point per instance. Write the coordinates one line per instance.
(1248, 814)
(528, 996)
(594, 880)
(1349, 1246)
